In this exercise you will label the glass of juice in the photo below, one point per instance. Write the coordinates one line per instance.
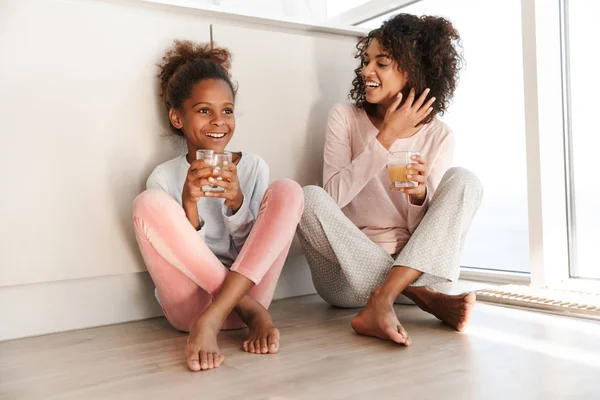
(207, 155)
(398, 162)
(220, 160)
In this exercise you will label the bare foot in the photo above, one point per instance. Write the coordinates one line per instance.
(378, 319)
(263, 337)
(201, 351)
(454, 310)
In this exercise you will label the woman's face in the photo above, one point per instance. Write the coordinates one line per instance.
(206, 119)
(383, 81)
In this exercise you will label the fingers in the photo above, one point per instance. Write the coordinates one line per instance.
(425, 108)
(396, 103)
(423, 115)
(230, 166)
(203, 172)
(199, 164)
(418, 158)
(417, 191)
(421, 179)
(218, 195)
(226, 175)
(417, 168)
(417, 105)
(410, 99)
(228, 186)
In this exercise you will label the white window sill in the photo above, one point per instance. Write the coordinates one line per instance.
(492, 276)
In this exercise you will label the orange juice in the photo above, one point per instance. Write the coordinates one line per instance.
(398, 179)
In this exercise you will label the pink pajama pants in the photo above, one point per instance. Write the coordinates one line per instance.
(187, 274)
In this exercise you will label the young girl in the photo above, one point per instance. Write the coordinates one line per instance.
(368, 245)
(210, 253)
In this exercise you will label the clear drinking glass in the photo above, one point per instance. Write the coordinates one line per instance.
(221, 158)
(219, 163)
(398, 162)
(207, 155)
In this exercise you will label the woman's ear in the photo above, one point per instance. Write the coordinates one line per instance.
(175, 118)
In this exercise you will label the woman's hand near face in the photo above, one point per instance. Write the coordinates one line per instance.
(405, 121)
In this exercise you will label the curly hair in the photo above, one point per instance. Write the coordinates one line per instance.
(187, 63)
(427, 48)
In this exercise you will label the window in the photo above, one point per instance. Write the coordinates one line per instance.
(583, 88)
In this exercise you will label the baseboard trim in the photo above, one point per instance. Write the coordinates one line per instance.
(51, 307)
(59, 306)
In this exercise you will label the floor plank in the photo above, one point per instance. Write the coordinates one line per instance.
(506, 353)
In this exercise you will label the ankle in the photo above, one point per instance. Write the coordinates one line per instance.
(382, 297)
(420, 294)
(212, 316)
(249, 308)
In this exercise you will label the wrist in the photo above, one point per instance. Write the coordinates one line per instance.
(189, 204)
(418, 200)
(385, 137)
(236, 204)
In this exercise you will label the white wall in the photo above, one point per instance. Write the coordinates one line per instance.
(80, 130)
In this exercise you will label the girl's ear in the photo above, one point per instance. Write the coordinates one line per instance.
(175, 118)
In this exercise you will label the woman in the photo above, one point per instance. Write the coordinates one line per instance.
(367, 245)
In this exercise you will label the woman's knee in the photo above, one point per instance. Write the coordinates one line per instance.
(466, 181)
(315, 197)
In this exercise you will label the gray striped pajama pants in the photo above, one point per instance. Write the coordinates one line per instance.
(346, 266)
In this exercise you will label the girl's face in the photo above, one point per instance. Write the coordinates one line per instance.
(383, 81)
(207, 118)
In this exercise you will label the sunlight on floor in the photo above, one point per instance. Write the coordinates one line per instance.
(528, 342)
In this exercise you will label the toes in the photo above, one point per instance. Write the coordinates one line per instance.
(257, 346)
(219, 359)
(463, 323)
(402, 331)
(251, 346)
(193, 361)
(210, 360)
(273, 342)
(203, 360)
(470, 298)
(393, 333)
(263, 345)
(245, 346)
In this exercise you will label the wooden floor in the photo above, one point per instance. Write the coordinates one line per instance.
(505, 354)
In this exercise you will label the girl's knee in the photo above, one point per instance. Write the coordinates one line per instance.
(151, 201)
(289, 192)
(288, 187)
